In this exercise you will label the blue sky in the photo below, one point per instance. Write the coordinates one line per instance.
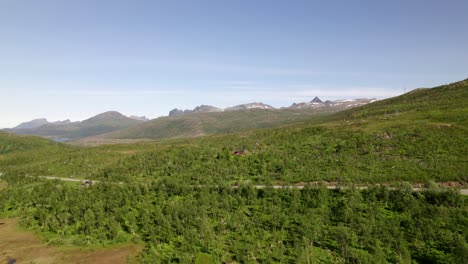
(73, 59)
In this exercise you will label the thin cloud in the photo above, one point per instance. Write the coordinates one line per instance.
(113, 92)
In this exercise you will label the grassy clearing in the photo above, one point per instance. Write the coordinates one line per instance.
(25, 247)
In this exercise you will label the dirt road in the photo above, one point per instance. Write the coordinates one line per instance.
(331, 187)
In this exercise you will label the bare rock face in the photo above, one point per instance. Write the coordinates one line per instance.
(198, 109)
(176, 112)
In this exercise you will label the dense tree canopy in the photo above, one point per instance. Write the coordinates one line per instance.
(221, 224)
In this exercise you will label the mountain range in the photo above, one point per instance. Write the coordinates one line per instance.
(313, 104)
(202, 120)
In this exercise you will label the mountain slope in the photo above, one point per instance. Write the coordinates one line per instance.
(208, 120)
(201, 124)
(32, 124)
(102, 123)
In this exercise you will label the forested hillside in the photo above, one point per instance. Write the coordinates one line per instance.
(177, 196)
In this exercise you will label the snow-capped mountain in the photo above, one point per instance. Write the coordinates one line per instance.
(249, 106)
(315, 103)
(341, 104)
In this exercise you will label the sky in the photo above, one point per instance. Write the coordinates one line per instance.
(67, 59)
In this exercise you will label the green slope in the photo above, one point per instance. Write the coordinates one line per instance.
(419, 136)
(446, 103)
(33, 155)
(202, 124)
(11, 143)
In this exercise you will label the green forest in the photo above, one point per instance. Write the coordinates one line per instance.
(178, 196)
(181, 224)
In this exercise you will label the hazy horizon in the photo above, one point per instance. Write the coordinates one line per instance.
(75, 59)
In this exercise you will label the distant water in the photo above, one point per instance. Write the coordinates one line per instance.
(61, 140)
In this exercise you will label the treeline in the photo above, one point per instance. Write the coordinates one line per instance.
(182, 224)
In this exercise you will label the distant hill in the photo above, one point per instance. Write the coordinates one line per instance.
(32, 124)
(208, 120)
(201, 124)
(38, 123)
(202, 120)
(65, 131)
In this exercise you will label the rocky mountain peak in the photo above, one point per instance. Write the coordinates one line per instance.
(198, 109)
(316, 100)
(176, 112)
